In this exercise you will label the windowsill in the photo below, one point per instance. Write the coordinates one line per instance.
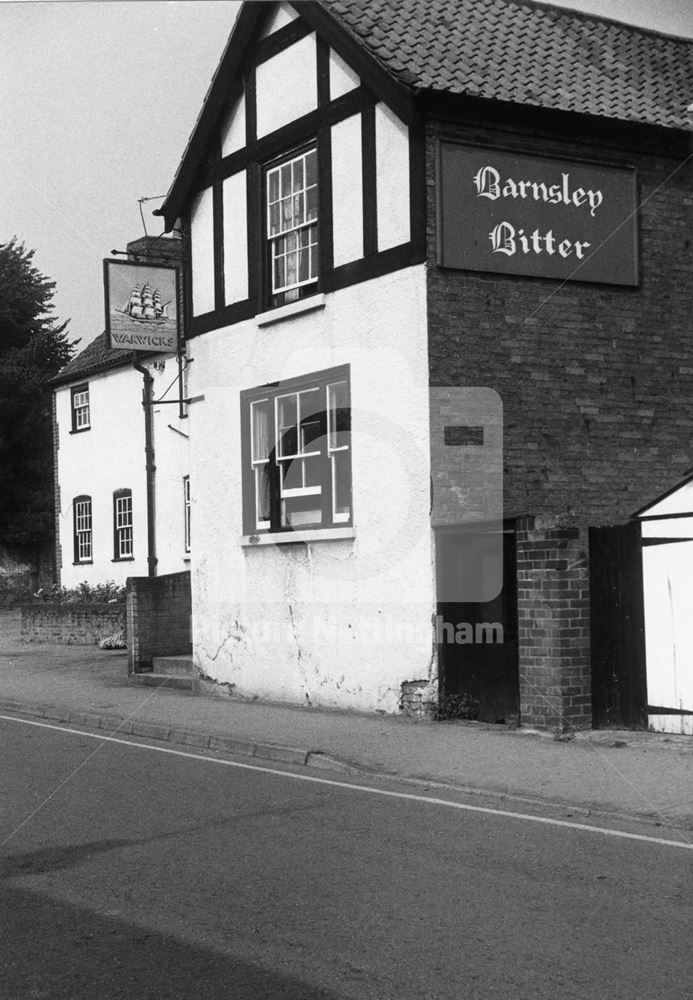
(294, 537)
(79, 430)
(84, 562)
(124, 559)
(291, 309)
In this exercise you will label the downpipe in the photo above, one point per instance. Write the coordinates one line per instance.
(150, 467)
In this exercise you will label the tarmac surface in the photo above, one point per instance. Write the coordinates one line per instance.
(639, 775)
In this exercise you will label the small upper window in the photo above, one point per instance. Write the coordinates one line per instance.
(80, 408)
(292, 227)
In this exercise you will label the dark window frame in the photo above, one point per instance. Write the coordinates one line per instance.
(123, 534)
(320, 454)
(75, 411)
(80, 534)
(297, 291)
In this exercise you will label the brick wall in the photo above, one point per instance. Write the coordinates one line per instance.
(158, 618)
(596, 380)
(596, 383)
(553, 624)
(71, 624)
(151, 247)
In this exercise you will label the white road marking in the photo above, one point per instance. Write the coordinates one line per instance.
(350, 786)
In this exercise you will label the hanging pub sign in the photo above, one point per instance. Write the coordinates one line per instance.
(530, 215)
(142, 311)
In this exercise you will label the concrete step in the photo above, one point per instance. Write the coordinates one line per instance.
(180, 666)
(170, 681)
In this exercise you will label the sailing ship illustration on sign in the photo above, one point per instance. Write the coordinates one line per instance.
(142, 306)
(145, 306)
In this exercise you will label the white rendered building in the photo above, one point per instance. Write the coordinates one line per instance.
(308, 331)
(106, 528)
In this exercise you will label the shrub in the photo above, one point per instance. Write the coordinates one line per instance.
(458, 706)
(83, 593)
(113, 642)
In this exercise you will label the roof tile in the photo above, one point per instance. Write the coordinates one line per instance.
(96, 357)
(527, 53)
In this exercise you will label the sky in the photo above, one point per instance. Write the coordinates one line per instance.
(97, 100)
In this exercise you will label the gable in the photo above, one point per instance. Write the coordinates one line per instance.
(512, 51)
(297, 66)
(292, 101)
(315, 59)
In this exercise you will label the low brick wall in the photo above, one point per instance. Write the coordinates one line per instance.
(72, 624)
(159, 609)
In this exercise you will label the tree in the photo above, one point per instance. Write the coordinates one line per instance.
(33, 348)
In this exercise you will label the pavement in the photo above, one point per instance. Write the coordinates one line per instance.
(640, 776)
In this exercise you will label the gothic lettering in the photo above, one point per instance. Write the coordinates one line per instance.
(489, 184)
(508, 240)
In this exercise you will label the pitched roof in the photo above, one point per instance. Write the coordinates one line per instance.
(514, 51)
(95, 358)
(527, 53)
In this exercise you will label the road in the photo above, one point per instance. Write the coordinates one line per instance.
(132, 873)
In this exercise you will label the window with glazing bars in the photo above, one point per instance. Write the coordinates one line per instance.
(297, 447)
(81, 420)
(82, 529)
(292, 227)
(122, 524)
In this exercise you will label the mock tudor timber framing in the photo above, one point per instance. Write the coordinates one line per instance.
(204, 167)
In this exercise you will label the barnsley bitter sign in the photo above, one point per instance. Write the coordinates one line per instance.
(531, 215)
(141, 306)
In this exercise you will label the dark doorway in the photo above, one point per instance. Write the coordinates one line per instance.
(477, 641)
(619, 680)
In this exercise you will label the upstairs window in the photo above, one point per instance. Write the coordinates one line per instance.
(297, 454)
(79, 396)
(81, 508)
(292, 227)
(122, 525)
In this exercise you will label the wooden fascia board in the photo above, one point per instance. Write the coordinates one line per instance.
(473, 110)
